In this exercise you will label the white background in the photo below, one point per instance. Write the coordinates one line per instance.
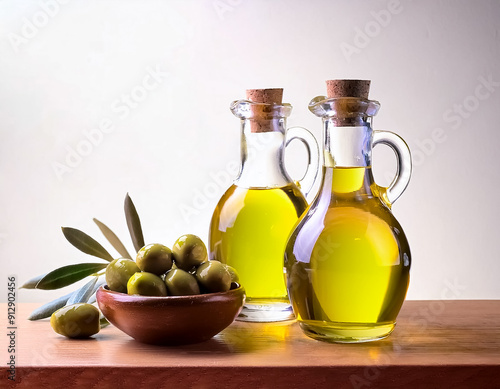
(63, 67)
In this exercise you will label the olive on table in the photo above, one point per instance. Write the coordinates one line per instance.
(76, 321)
(146, 284)
(154, 258)
(181, 283)
(119, 272)
(214, 276)
(189, 251)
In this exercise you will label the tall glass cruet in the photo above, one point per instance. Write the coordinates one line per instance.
(347, 261)
(253, 219)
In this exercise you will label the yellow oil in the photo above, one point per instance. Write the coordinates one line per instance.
(348, 261)
(249, 231)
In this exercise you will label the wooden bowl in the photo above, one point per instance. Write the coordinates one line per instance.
(171, 320)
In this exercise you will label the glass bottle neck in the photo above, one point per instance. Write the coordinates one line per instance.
(262, 154)
(348, 144)
(347, 158)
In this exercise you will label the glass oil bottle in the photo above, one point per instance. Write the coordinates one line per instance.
(348, 259)
(253, 219)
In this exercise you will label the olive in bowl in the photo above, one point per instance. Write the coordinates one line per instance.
(189, 251)
(118, 272)
(154, 258)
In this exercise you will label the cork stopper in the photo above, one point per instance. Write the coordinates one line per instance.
(261, 121)
(348, 88)
(267, 96)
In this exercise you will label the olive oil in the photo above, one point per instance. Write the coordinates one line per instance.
(347, 262)
(249, 231)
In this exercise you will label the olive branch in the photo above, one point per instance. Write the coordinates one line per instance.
(68, 275)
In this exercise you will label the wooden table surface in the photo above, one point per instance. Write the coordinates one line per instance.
(436, 344)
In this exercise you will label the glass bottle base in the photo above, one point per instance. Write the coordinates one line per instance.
(337, 332)
(266, 312)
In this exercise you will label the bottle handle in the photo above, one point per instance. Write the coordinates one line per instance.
(306, 183)
(403, 172)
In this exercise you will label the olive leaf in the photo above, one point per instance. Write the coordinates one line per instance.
(85, 243)
(93, 296)
(103, 322)
(82, 295)
(133, 223)
(113, 239)
(31, 284)
(68, 275)
(48, 309)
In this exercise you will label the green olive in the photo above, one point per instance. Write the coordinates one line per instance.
(181, 283)
(154, 258)
(118, 273)
(232, 271)
(146, 284)
(189, 251)
(76, 321)
(213, 276)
